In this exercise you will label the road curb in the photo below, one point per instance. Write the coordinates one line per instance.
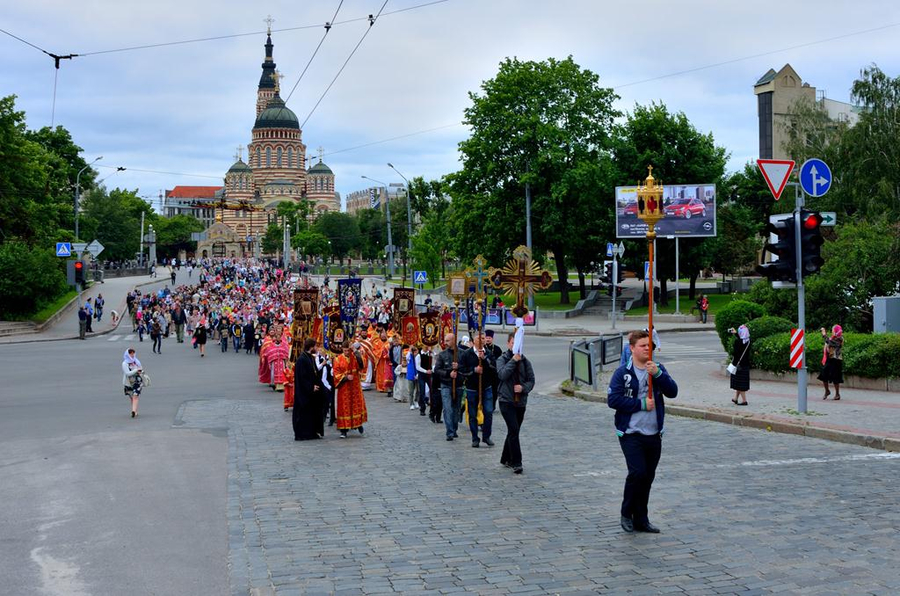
(766, 422)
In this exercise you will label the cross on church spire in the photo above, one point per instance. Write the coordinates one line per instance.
(277, 76)
(268, 21)
(239, 156)
(321, 152)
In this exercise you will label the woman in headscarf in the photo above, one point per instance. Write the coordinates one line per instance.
(833, 361)
(131, 378)
(740, 379)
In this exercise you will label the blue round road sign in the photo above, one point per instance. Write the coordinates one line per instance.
(815, 177)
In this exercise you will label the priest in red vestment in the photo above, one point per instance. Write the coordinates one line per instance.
(384, 372)
(350, 405)
(277, 357)
(265, 372)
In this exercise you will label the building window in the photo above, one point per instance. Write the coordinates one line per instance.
(268, 157)
(278, 157)
(290, 158)
(258, 158)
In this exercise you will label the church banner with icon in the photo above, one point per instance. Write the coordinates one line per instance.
(404, 305)
(333, 330)
(349, 294)
(411, 330)
(430, 328)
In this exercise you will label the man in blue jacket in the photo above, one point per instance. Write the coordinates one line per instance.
(639, 424)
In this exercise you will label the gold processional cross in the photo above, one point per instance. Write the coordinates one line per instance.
(519, 278)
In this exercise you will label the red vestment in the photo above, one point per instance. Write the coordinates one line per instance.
(289, 386)
(276, 356)
(384, 374)
(265, 373)
(349, 403)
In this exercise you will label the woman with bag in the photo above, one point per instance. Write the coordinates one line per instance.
(833, 361)
(740, 365)
(132, 378)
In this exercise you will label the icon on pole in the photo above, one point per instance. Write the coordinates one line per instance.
(776, 173)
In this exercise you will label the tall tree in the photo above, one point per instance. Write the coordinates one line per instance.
(679, 154)
(341, 230)
(114, 218)
(534, 123)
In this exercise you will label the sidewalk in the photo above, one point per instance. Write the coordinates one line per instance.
(114, 292)
(861, 417)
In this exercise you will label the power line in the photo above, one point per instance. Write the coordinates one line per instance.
(130, 169)
(341, 69)
(404, 136)
(252, 33)
(760, 55)
(328, 26)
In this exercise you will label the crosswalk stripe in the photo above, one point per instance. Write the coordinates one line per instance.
(129, 337)
(114, 338)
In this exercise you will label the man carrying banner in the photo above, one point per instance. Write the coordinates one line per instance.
(447, 370)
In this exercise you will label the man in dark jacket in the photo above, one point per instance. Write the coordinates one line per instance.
(639, 423)
(479, 368)
(516, 380)
(82, 322)
(447, 370)
(496, 352)
(179, 318)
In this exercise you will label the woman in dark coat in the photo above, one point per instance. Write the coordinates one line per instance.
(307, 409)
(833, 361)
(740, 380)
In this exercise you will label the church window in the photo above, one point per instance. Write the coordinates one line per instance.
(278, 157)
(258, 158)
(268, 157)
(290, 158)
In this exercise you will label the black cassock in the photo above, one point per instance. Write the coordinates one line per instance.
(307, 415)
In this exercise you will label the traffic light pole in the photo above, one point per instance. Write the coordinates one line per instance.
(801, 301)
(615, 287)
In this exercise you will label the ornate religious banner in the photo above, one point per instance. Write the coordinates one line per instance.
(446, 326)
(404, 305)
(318, 325)
(349, 294)
(306, 307)
(430, 328)
(410, 326)
(333, 331)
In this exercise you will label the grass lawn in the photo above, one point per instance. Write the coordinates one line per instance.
(716, 302)
(50, 310)
(547, 300)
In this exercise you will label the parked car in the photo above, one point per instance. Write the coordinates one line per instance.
(685, 208)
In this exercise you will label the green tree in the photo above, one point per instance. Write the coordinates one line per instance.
(426, 250)
(32, 277)
(310, 243)
(174, 234)
(534, 123)
(114, 218)
(735, 248)
(679, 154)
(372, 233)
(341, 230)
(273, 239)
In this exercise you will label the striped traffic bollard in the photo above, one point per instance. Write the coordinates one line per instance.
(796, 348)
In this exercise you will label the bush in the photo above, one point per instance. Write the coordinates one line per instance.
(872, 356)
(735, 314)
(32, 278)
(778, 303)
(764, 327)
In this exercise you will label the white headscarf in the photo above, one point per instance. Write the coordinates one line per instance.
(131, 359)
(744, 333)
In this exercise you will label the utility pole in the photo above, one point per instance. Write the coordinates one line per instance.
(528, 236)
(78, 187)
(141, 258)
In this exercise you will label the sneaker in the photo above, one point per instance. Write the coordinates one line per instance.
(343, 434)
(413, 407)
(449, 438)
(517, 470)
(476, 443)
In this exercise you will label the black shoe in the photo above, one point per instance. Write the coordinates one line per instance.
(455, 436)
(476, 443)
(421, 413)
(506, 464)
(360, 429)
(517, 469)
(343, 434)
(449, 438)
(133, 414)
(646, 527)
(331, 423)
(489, 442)
(285, 409)
(627, 524)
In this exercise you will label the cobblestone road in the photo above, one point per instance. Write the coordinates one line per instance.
(401, 510)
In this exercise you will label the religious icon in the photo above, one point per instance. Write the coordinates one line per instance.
(306, 307)
(338, 336)
(457, 286)
(404, 305)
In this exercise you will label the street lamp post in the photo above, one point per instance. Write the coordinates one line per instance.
(390, 250)
(78, 191)
(408, 218)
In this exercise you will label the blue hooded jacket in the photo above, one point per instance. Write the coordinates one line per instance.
(623, 391)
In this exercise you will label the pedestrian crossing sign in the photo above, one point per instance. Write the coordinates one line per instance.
(64, 249)
(420, 277)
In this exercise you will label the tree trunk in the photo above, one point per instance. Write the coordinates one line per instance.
(693, 290)
(582, 287)
(663, 292)
(562, 273)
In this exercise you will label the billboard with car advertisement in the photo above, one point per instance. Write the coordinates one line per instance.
(690, 212)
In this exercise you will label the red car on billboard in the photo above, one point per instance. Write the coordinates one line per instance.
(630, 209)
(685, 208)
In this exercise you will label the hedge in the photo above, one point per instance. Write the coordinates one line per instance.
(874, 356)
(764, 327)
(735, 314)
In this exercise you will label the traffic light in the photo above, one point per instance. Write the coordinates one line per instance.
(784, 248)
(811, 241)
(608, 272)
(620, 274)
(79, 272)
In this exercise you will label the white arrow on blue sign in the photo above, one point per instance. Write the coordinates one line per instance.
(420, 277)
(609, 249)
(64, 249)
(815, 177)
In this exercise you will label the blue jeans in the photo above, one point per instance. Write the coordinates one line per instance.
(452, 407)
(487, 408)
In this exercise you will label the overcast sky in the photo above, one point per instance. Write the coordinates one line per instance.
(185, 108)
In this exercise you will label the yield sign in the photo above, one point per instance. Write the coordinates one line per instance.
(776, 172)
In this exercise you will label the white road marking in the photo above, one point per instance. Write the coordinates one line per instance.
(813, 460)
(114, 338)
(129, 337)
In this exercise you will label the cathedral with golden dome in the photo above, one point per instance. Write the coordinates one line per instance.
(275, 170)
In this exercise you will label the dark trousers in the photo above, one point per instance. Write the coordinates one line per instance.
(512, 449)
(224, 343)
(422, 382)
(157, 343)
(437, 404)
(487, 408)
(642, 456)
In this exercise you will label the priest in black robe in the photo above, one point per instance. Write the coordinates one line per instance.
(307, 390)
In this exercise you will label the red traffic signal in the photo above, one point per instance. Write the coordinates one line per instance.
(79, 272)
(811, 221)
